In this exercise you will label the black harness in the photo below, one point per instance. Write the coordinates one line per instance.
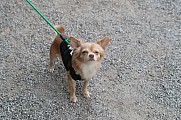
(66, 53)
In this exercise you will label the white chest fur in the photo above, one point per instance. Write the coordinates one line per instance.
(89, 70)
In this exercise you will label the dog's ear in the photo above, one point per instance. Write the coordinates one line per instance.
(104, 42)
(74, 43)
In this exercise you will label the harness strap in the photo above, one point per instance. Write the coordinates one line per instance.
(67, 60)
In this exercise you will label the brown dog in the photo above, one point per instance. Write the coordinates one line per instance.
(85, 61)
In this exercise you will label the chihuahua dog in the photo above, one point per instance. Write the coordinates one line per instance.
(84, 61)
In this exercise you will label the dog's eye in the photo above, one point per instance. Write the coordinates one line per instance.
(96, 52)
(85, 52)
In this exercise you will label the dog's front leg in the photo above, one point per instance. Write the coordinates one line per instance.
(85, 89)
(72, 88)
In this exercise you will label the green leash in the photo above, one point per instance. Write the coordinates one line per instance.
(49, 23)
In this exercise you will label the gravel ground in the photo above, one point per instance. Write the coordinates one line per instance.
(140, 78)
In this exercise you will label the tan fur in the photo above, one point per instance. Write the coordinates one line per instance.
(86, 60)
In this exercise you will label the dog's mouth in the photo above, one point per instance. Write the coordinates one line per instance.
(91, 59)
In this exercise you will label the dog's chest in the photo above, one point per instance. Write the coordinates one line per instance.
(89, 70)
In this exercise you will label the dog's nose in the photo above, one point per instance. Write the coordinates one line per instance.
(91, 56)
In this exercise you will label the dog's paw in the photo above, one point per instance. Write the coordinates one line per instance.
(86, 94)
(73, 99)
(51, 69)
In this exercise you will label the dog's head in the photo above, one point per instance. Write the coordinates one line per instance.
(89, 52)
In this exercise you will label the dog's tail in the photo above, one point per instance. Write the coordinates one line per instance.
(60, 28)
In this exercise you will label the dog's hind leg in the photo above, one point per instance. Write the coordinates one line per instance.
(54, 53)
(51, 63)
